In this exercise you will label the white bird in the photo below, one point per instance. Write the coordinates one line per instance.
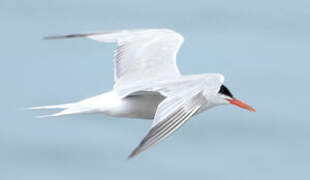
(148, 84)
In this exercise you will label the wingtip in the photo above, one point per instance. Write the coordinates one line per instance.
(68, 36)
(59, 37)
(129, 157)
(132, 155)
(135, 152)
(52, 37)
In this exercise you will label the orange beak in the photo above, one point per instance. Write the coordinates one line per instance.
(241, 104)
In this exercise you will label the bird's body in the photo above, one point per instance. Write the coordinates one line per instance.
(137, 106)
(148, 84)
(109, 103)
(142, 105)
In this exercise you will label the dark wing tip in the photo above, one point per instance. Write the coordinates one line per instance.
(136, 151)
(132, 154)
(67, 36)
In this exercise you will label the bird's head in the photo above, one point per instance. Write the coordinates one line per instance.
(224, 96)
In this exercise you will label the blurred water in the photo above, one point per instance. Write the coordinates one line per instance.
(262, 48)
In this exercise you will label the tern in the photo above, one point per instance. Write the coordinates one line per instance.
(149, 85)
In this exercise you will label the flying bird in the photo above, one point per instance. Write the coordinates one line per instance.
(149, 85)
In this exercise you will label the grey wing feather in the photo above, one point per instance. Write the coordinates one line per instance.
(172, 122)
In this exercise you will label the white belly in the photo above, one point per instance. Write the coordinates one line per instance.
(137, 106)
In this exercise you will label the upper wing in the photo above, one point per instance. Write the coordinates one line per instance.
(141, 54)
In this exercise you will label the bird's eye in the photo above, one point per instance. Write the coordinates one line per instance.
(224, 90)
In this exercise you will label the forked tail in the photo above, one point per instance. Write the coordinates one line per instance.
(68, 109)
(90, 105)
(59, 106)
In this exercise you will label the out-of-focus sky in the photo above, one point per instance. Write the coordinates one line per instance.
(262, 48)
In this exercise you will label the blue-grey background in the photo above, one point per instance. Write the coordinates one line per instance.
(262, 48)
